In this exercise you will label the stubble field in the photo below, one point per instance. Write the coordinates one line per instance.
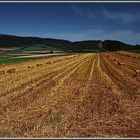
(81, 95)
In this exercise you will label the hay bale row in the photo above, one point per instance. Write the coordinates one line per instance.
(54, 61)
(136, 73)
(117, 62)
(127, 55)
(49, 62)
(69, 57)
(38, 65)
(107, 55)
(2, 72)
(114, 60)
(131, 56)
(30, 67)
(9, 71)
(121, 63)
(134, 57)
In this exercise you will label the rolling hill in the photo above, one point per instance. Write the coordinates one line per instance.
(48, 44)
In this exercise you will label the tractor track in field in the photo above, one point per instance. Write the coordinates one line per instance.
(92, 69)
(67, 76)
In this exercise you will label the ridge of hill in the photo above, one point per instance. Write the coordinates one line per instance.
(11, 41)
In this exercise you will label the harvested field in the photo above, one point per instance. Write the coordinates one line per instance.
(83, 95)
(38, 55)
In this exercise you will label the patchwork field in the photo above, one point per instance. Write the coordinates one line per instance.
(81, 95)
(20, 54)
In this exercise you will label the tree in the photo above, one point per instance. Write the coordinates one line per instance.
(51, 52)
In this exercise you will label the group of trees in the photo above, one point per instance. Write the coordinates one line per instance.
(65, 45)
(113, 45)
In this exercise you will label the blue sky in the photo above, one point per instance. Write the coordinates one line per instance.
(72, 21)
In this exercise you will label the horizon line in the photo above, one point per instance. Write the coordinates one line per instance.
(68, 39)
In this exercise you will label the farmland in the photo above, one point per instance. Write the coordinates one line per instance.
(20, 54)
(79, 95)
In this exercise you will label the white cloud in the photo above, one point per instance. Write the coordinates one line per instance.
(121, 17)
(118, 16)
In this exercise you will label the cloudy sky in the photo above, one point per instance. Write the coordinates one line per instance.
(72, 21)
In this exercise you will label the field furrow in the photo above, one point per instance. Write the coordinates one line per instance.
(14, 83)
(84, 95)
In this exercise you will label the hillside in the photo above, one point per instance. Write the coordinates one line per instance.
(36, 48)
(113, 45)
(16, 41)
(49, 44)
(86, 46)
(9, 41)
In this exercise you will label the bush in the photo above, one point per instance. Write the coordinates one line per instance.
(51, 52)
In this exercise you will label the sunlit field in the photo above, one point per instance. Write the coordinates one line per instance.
(79, 95)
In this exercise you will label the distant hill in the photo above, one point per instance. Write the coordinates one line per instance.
(85, 46)
(35, 43)
(113, 45)
(16, 41)
(25, 42)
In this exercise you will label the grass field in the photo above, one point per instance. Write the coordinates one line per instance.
(20, 58)
(31, 52)
(13, 60)
(81, 95)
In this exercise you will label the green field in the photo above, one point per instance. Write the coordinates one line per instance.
(34, 48)
(11, 56)
(13, 60)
